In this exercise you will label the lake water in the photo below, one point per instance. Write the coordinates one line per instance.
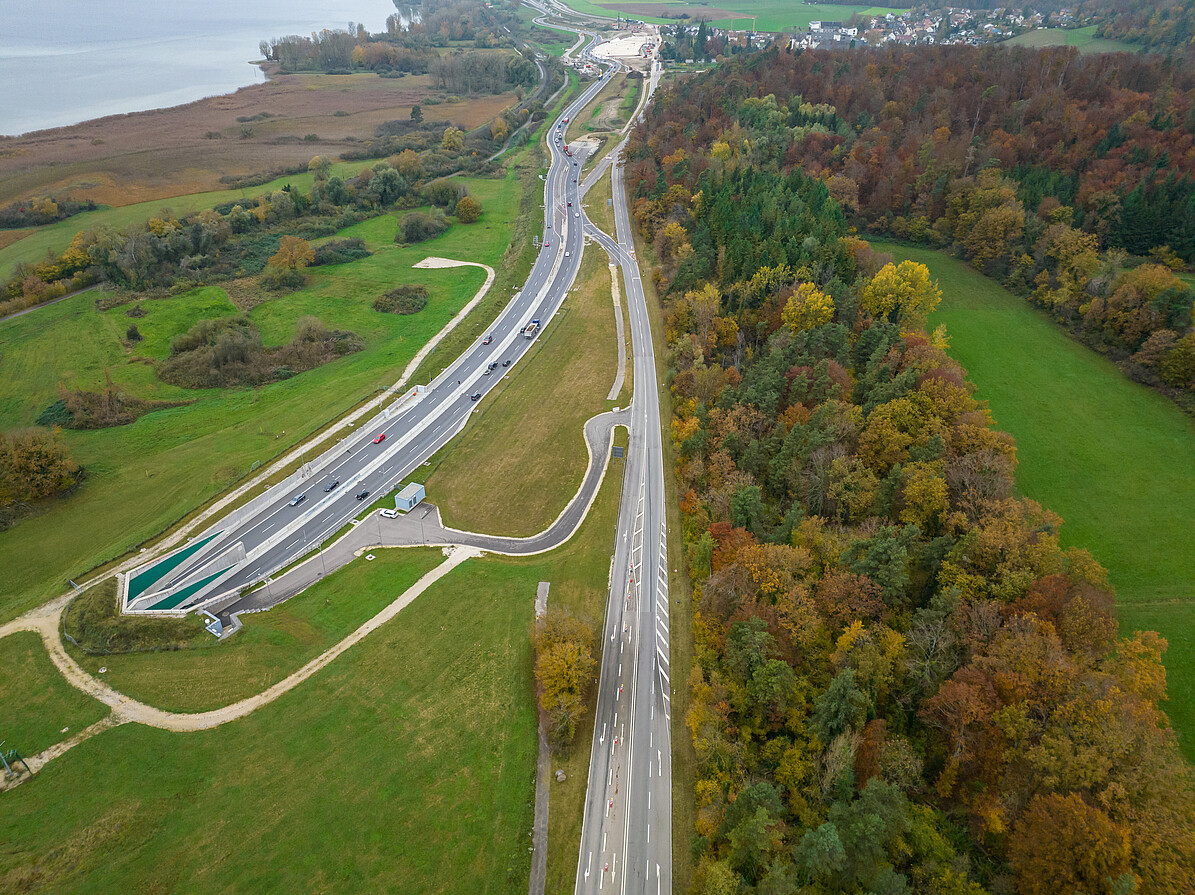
(66, 61)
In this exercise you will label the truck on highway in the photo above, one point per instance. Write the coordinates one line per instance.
(531, 329)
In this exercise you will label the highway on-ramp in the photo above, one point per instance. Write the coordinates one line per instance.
(251, 543)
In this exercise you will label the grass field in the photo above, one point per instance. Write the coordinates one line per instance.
(528, 434)
(36, 704)
(1114, 458)
(1083, 38)
(407, 765)
(186, 455)
(268, 648)
(771, 15)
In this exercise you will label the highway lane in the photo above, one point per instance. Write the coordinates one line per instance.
(626, 840)
(273, 533)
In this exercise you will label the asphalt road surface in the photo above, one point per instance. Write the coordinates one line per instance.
(626, 839)
(275, 533)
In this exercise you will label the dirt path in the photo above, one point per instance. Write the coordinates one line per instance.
(126, 710)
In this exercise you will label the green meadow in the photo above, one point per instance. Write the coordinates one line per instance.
(37, 707)
(1115, 459)
(143, 477)
(771, 15)
(1082, 38)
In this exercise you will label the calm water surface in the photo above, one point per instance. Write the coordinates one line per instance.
(66, 61)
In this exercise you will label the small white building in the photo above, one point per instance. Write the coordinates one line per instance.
(409, 497)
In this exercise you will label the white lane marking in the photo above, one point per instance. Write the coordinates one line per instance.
(649, 825)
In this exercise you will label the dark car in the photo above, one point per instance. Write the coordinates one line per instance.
(298, 499)
(361, 495)
(492, 365)
(381, 437)
(332, 484)
(476, 396)
(506, 363)
(570, 205)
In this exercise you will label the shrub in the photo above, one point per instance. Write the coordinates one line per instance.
(418, 226)
(33, 464)
(229, 352)
(136, 311)
(444, 193)
(133, 334)
(338, 251)
(468, 210)
(282, 279)
(408, 299)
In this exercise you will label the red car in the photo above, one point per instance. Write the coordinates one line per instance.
(381, 437)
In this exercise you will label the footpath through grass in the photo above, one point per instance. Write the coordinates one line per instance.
(1113, 458)
(270, 646)
(407, 765)
(143, 477)
(528, 434)
(36, 704)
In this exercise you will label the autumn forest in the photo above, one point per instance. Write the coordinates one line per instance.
(902, 682)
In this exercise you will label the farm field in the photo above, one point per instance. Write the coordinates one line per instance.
(132, 809)
(528, 434)
(187, 454)
(1113, 458)
(772, 15)
(1083, 38)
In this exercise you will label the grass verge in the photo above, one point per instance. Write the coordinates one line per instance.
(528, 435)
(1114, 458)
(37, 707)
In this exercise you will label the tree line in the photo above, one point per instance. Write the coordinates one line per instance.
(405, 46)
(902, 681)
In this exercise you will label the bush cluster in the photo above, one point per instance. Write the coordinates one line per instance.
(407, 299)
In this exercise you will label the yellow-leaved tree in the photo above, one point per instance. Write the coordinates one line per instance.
(905, 289)
(564, 662)
(808, 307)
